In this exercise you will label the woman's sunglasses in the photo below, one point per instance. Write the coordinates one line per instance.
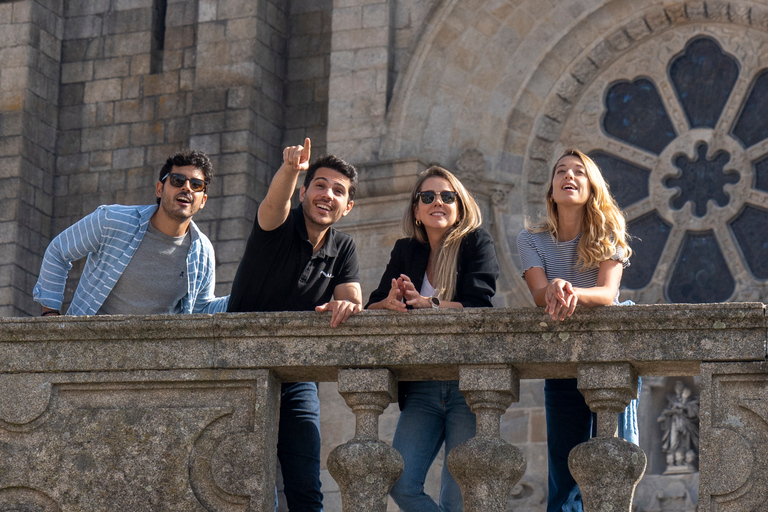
(427, 197)
(177, 180)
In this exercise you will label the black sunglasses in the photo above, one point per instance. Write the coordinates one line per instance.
(178, 180)
(428, 196)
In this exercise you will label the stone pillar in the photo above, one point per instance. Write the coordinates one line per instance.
(486, 467)
(365, 467)
(607, 468)
(30, 55)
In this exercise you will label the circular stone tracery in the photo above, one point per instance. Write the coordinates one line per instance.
(701, 179)
(677, 126)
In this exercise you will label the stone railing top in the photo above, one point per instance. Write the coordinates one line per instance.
(655, 339)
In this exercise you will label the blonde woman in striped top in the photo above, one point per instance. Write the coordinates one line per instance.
(574, 258)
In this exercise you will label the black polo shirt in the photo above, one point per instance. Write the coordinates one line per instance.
(278, 271)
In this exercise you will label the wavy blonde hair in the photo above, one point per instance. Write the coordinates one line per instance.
(469, 220)
(603, 228)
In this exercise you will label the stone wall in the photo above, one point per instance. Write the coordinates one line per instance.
(94, 96)
(172, 413)
(30, 54)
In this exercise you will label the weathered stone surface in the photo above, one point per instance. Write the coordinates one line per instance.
(734, 409)
(139, 441)
(365, 467)
(486, 467)
(607, 468)
(656, 340)
(607, 389)
(607, 471)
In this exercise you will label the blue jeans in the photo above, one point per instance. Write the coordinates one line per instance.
(571, 422)
(433, 412)
(298, 446)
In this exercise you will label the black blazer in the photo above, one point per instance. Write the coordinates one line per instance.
(477, 269)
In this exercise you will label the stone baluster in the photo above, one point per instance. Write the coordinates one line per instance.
(606, 467)
(365, 467)
(486, 467)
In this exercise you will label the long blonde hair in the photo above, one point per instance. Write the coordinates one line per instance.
(469, 220)
(603, 228)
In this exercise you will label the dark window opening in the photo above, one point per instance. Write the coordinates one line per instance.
(159, 8)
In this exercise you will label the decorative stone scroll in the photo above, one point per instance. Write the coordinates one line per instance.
(607, 468)
(365, 467)
(486, 467)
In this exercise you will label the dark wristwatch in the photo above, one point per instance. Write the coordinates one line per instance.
(435, 302)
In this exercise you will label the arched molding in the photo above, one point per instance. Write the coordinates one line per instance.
(544, 140)
(464, 80)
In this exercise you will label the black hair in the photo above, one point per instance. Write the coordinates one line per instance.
(186, 157)
(336, 164)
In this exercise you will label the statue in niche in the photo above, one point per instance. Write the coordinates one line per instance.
(680, 424)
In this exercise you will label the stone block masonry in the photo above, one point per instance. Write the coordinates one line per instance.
(30, 49)
(219, 89)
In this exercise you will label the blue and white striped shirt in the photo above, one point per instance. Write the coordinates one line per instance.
(559, 259)
(109, 237)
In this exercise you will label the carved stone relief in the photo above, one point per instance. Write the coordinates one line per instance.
(149, 441)
(734, 437)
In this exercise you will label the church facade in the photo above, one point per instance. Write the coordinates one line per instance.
(670, 98)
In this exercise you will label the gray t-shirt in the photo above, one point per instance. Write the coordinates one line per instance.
(559, 259)
(155, 280)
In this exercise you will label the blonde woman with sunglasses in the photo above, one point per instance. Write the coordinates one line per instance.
(574, 258)
(446, 261)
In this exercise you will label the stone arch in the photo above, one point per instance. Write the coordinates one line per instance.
(467, 74)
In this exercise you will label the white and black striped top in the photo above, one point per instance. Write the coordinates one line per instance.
(559, 259)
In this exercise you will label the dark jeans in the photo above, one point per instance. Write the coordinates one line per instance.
(571, 422)
(298, 446)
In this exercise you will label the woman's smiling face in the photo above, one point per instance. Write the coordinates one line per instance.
(437, 216)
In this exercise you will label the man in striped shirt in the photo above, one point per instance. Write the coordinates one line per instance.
(141, 259)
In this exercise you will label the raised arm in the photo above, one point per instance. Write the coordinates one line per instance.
(276, 206)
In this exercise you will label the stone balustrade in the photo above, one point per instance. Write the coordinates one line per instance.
(180, 412)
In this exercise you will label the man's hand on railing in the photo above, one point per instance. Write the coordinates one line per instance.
(341, 310)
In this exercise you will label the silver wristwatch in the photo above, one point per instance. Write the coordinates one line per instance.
(435, 302)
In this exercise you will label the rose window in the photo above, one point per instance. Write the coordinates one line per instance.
(680, 129)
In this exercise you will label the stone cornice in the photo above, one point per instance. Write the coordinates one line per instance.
(655, 339)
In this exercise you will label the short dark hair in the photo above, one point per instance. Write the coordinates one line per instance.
(188, 157)
(336, 164)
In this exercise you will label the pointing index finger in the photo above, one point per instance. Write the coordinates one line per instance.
(306, 150)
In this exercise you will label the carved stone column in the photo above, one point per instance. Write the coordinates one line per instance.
(365, 467)
(607, 468)
(486, 467)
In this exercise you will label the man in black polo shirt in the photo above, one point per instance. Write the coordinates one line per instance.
(296, 261)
